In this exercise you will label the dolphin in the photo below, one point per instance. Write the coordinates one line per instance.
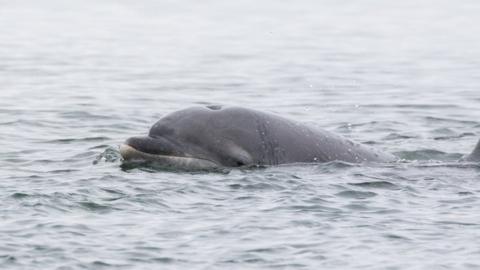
(208, 137)
(205, 137)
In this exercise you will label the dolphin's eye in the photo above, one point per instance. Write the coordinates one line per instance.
(239, 163)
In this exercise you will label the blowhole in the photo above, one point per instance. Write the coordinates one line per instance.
(215, 107)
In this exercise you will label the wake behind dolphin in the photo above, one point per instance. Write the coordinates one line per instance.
(215, 136)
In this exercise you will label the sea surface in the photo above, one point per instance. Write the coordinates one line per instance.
(79, 77)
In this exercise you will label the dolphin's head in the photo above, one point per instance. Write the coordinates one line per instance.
(194, 138)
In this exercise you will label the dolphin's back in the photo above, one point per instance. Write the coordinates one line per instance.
(280, 140)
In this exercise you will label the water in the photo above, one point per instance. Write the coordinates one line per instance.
(79, 77)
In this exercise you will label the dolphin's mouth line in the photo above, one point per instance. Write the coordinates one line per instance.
(128, 152)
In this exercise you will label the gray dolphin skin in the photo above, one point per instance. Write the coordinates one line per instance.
(217, 136)
(475, 155)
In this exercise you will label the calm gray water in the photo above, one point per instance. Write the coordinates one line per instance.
(79, 77)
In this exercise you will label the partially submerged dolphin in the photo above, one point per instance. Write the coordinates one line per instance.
(215, 136)
(475, 155)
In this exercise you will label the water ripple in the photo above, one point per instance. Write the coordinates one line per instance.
(77, 78)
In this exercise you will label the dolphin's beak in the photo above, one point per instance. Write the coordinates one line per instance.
(163, 152)
(135, 147)
(129, 153)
